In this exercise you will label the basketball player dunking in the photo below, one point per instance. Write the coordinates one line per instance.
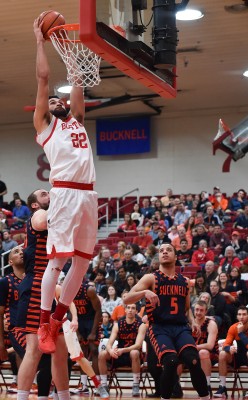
(72, 214)
(167, 301)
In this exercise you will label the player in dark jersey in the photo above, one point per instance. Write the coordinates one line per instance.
(89, 320)
(168, 301)
(130, 333)
(207, 341)
(9, 302)
(28, 315)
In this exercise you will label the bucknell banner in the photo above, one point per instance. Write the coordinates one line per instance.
(123, 136)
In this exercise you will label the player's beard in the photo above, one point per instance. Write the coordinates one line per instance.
(43, 206)
(59, 113)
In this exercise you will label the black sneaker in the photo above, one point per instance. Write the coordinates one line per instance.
(177, 391)
(210, 392)
(221, 392)
(154, 395)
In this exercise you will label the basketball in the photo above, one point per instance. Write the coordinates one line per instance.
(50, 19)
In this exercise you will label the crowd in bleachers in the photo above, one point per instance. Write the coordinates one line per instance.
(209, 233)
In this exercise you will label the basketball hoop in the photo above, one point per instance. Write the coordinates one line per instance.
(81, 63)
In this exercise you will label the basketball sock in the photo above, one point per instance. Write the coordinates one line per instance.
(60, 311)
(104, 380)
(64, 394)
(136, 378)
(44, 316)
(49, 281)
(73, 279)
(84, 380)
(22, 394)
(95, 381)
(223, 380)
(208, 380)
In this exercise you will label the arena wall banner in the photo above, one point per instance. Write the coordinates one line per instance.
(123, 136)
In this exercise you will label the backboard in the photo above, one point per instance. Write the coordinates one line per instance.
(105, 29)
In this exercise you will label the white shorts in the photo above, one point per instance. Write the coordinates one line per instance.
(72, 342)
(72, 223)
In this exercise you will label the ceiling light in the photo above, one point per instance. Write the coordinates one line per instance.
(64, 89)
(246, 73)
(189, 15)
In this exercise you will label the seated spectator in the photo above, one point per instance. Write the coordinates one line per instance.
(236, 242)
(15, 197)
(20, 214)
(97, 257)
(137, 257)
(230, 355)
(238, 201)
(189, 224)
(202, 255)
(206, 341)
(121, 280)
(150, 252)
(143, 239)
(182, 214)
(162, 237)
(200, 235)
(3, 222)
(155, 264)
(128, 224)
(106, 257)
(182, 234)
(130, 333)
(100, 283)
(230, 298)
(146, 210)
(174, 207)
(153, 200)
(219, 240)
(153, 232)
(211, 273)
(106, 326)
(201, 206)
(200, 285)
(173, 233)
(184, 255)
(211, 218)
(167, 218)
(238, 285)
(199, 218)
(229, 261)
(121, 247)
(159, 216)
(8, 243)
(166, 199)
(218, 302)
(136, 215)
(120, 311)
(189, 201)
(158, 204)
(219, 202)
(242, 221)
(111, 300)
(131, 281)
(206, 297)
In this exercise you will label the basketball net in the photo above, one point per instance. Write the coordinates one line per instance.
(81, 63)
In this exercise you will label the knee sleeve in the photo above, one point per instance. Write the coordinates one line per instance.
(170, 360)
(169, 374)
(191, 359)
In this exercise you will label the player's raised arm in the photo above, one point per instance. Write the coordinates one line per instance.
(143, 289)
(77, 103)
(41, 114)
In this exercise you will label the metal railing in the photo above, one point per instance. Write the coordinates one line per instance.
(105, 216)
(118, 208)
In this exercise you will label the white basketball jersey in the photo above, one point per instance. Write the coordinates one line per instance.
(68, 151)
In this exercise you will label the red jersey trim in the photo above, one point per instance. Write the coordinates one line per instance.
(81, 355)
(49, 137)
(73, 185)
(56, 254)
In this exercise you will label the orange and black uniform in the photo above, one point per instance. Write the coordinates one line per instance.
(203, 338)
(127, 334)
(168, 324)
(86, 314)
(170, 334)
(240, 358)
(35, 260)
(9, 299)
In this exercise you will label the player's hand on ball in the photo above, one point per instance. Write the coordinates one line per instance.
(152, 298)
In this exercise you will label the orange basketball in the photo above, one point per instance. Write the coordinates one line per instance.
(50, 19)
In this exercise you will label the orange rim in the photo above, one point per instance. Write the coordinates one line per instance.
(67, 27)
